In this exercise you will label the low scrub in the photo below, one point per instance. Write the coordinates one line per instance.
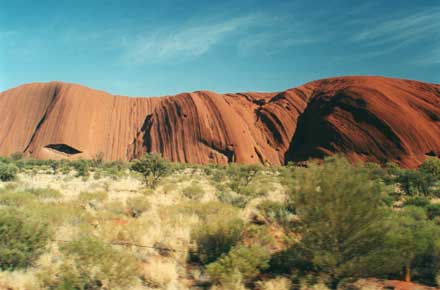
(216, 236)
(8, 172)
(22, 240)
(241, 264)
(92, 264)
(137, 205)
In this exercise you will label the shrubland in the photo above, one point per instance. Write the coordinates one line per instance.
(152, 224)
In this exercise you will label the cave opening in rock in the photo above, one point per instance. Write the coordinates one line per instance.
(63, 148)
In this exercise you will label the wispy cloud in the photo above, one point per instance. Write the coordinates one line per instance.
(270, 42)
(399, 32)
(431, 57)
(187, 41)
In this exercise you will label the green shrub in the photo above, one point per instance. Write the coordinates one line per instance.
(82, 167)
(137, 205)
(419, 201)
(233, 198)
(91, 264)
(243, 263)
(240, 176)
(193, 191)
(415, 241)
(342, 217)
(215, 237)
(433, 211)
(8, 172)
(152, 167)
(22, 240)
(276, 212)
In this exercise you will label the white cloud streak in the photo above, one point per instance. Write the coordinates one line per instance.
(399, 32)
(186, 42)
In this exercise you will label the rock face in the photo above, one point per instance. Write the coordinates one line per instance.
(368, 118)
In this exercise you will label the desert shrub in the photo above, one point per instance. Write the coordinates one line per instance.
(98, 159)
(86, 196)
(242, 263)
(415, 241)
(240, 176)
(137, 205)
(277, 212)
(257, 235)
(422, 180)
(420, 201)
(342, 219)
(206, 211)
(293, 258)
(56, 213)
(81, 166)
(8, 172)
(45, 192)
(233, 198)
(22, 239)
(16, 156)
(279, 283)
(433, 211)
(216, 236)
(16, 198)
(152, 167)
(114, 207)
(92, 264)
(194, 191)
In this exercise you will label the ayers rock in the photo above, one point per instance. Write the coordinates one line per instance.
(367, 118)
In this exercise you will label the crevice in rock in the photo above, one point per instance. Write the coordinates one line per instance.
(63, 148)
(43, 118)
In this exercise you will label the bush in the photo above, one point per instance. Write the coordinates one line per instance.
(22, 240)
(415, 241)
(241, 263)
(233, 198)
(91, 264)
(152, 167)
(193, 191)
(8, 172)
(216, 237)
(16, 199)
(419, 201)
(137, 205)
(86, 196)
(45, 192)
(240, 176)
(276, 212)
(82, 167)
(342, 217)
(433, 211)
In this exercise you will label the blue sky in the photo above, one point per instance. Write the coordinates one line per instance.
(147, 48)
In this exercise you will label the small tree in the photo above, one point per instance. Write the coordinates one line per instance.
(152, 167)
(416, 239)
(340, 207)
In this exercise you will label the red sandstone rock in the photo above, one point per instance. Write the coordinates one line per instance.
(368, 118)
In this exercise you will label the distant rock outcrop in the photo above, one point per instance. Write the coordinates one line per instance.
(368, 118)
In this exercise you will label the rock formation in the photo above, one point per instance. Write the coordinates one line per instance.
(368, 118)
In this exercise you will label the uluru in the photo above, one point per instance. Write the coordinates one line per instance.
(373, 119)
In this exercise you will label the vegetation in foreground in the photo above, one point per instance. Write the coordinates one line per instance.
(150, 224)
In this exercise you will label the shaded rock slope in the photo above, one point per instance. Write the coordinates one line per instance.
(367, 118)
